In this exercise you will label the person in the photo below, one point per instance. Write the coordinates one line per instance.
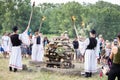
(45, 41)
(90, 53)
(105, 59)
(9, 45)
(24, 50)
(29, 48)
(115, 57)
(5, 46)
(42, 47)
(76, 48)
(107, 50)
(37, 48)
(16, 40)
(64, 36)
(81, 44)
(100, 41)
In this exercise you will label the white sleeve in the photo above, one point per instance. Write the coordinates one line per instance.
(33, 39)
(9, 44)
(81, 44)
(41, 43)
(2, 41)
(85, 44)
(97, 49)
(24, 38)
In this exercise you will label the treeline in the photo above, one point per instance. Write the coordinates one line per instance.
(104, 17)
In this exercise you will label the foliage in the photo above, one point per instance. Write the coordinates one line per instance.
(104, 17)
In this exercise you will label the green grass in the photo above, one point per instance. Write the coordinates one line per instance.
(36, 75)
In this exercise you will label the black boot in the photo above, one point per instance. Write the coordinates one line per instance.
(90, 74)
(86, 74)
(15, 69)
(10, 68)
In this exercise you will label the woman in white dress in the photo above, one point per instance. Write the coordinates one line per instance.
(37, 48)
(15, 56)
(5, 44)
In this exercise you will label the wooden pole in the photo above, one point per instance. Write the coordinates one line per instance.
(43, 18)
(73, 19)
(40, 25)
(76, 30)
(31, 15)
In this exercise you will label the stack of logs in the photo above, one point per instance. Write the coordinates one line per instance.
(59, 54)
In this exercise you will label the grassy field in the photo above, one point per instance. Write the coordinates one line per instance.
(37, 75)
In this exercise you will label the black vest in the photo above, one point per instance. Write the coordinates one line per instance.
(92, 44)
(15, 40)
(38, 40)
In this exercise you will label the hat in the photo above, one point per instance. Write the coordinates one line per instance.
(93, 31)
(15, 28)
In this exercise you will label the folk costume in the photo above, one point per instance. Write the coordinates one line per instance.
(15, 56)
(37, 48)
(90, 56)
(5, 41)
(5, 45)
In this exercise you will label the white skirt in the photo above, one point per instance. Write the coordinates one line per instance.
(90, 61)
(37, 53)
(16, 58)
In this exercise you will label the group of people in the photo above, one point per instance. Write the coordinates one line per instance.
(91, 51)
(95, 50)
(87, 49)
(15, 45)
(4, 48)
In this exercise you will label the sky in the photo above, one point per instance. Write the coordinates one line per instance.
(80, 1)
